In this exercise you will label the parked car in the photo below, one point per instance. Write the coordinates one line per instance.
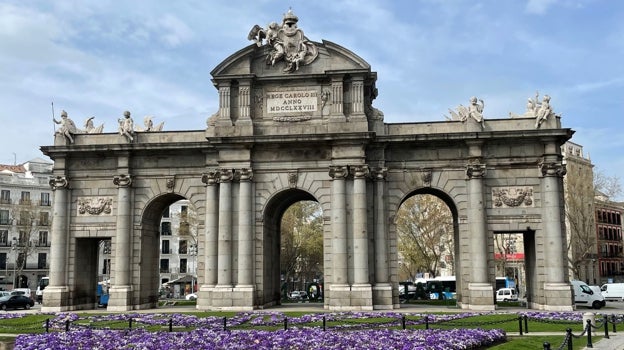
(298, 295)
(16, 302)
(191, 296)
(4, 293)
(584, 295)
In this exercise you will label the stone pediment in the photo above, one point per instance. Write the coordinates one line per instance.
(251, 60)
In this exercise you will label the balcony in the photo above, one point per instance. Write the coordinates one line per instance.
(5, 201)
(166, 251)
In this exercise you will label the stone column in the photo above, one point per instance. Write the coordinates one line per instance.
(120, 291)
(212, 229)
(337, 114)
(480, 288)
(558, 293)
(339, 226)
(245, 234)
(476, 222)
(224, 260)
(381, 247)
(360, 227)
(56, 294)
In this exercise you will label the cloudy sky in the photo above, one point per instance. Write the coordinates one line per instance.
(99, 58)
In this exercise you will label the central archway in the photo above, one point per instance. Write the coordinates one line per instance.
(270, 293)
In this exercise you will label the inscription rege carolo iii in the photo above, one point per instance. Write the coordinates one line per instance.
(297, 101)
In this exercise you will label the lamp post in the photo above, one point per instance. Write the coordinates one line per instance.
(193, 253)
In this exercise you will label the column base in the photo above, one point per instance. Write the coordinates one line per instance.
(382, 296)
(120, 298)
(558, 297)
(55, 299)
(228, 298)
(204, 295)
(481, 296)
(358, 297)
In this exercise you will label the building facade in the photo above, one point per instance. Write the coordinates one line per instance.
(25, 219)
(178, 249)
(610, 254)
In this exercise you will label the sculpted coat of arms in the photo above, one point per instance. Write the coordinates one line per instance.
(287, 42)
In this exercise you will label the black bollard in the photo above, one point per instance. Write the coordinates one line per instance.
(324, 323)
(67, 326)
(526, 324)
(171, 325)
(224, 324)
(403, 322)
(426, 322)
(613, 322)
(520, 324)
(285, 323)
(569, 338)
(589, 340)
(47, 326)
(546, 346)
(606, 326)
(130, 323)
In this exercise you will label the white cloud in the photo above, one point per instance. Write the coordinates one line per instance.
(539, 7)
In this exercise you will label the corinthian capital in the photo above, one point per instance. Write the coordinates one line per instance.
(123, 180)
(360, 171)
(475, 170)
(226, 175)
(338, 172)
(244, 174)
(58, 182)
(379, 174)
(552, 169)
(211, 178)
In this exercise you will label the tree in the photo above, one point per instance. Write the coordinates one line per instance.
(302, 242)
(608, 185)
(28, 218)
(425, 232)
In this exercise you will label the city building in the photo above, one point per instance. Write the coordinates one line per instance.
(580, 214)
(610, 254)
(25, 222)
(178, 250)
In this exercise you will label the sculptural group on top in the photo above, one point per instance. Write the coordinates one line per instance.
(541, 111)
(126, 126)
(474, 111)
(287, 41)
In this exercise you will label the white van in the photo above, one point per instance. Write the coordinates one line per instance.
(585, 296)
(613, 291)
(506, 294)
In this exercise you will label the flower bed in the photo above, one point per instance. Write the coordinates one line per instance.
(253, 339)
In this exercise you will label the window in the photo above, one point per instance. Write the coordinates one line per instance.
(44, 218)
(43, 238)
(165, 213)
(183, 265)
(25, 218)
(4, 238)
(165, 247)
(165, 229)
(183, 247)
(5, 197)
(164, 265)
(3, 260)
(25, 199)
(42, 260)
(45, 199)
(4, 217)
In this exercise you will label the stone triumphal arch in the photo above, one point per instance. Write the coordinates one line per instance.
(296, 122)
